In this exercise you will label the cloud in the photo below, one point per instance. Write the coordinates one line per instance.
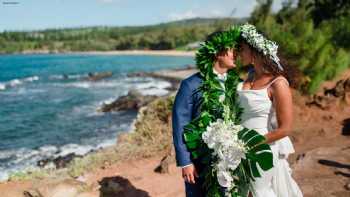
(106, 1)
(185, 15)
(193, 14)
(215, 13)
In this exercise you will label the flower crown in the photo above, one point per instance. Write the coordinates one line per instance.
(259, 42)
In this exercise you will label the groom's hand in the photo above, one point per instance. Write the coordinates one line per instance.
(189, 172)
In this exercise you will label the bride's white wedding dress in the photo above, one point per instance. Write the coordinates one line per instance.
(259, 114)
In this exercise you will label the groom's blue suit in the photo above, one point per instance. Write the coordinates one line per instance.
(186, 108)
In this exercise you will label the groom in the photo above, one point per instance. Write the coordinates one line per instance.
(186, 108)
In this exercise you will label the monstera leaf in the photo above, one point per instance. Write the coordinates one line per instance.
(259, 153)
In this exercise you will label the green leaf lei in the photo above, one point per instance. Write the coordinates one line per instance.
(259, 153)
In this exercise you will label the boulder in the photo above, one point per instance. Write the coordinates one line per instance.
(347, 186)
(98, 76)
(337, 95)
(119, 186)
(32, 193)
(58, 162)
(133, 100)
(346, 127)
(322, 102)
(63, 161)
(341, 87)
(168, 159)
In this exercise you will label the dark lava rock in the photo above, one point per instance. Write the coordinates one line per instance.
(98, 76)
(119, 186)
(63, 161)
(60, 161)
(133, 100)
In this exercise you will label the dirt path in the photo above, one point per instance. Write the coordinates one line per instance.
(138, 174)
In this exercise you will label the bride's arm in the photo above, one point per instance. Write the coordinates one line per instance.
(282, 99)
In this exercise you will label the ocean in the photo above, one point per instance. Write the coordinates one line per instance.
(48, 109)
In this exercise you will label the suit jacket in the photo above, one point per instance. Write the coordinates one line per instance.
(185, 108)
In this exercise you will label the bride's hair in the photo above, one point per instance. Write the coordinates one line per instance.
(269, 66)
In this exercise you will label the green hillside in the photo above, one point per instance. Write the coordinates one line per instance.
(171, 35)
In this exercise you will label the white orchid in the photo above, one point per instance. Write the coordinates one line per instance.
(222, 137)
(224, 178)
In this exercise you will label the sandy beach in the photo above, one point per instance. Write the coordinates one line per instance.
(120, 52)
(141, 52)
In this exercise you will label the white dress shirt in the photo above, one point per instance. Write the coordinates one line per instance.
(222, 77)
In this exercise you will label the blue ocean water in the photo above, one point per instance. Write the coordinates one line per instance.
(43, 114)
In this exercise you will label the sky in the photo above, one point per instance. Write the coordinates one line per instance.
(26, 15)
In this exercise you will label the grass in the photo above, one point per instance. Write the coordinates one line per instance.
(151, 136)
(29, 174)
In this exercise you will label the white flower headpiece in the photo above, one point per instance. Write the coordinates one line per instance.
(259, 42)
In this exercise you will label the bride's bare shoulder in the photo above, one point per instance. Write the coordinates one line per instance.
(280, 79)
(278, 84)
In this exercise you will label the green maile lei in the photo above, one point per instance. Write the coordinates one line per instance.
(228, 109)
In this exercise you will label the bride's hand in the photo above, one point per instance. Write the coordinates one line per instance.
(189, 172)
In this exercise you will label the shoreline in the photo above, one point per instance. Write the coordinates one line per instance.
(172, 76)
(141, 52)
(116, 52)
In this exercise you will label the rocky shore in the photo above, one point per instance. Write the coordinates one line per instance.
(134, 100)
(142, 163)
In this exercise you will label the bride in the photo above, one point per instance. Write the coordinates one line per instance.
(267, 101)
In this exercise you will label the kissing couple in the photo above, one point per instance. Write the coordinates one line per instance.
(231, 134)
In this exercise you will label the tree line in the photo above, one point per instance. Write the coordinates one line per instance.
(165, 36)
(314, 36)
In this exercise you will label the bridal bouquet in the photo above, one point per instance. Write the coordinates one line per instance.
(222, 137)
(229, 152)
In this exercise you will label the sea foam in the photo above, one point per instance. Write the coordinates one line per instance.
(16, 82)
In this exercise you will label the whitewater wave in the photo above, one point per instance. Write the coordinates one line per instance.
(2, 86)
(116, 87)
(154, 91)
(107, 101)
(88, 84)
(145, 85)
(24, 159)
(153, 87)
(89, 110)
(153, 84)
(16, 82)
